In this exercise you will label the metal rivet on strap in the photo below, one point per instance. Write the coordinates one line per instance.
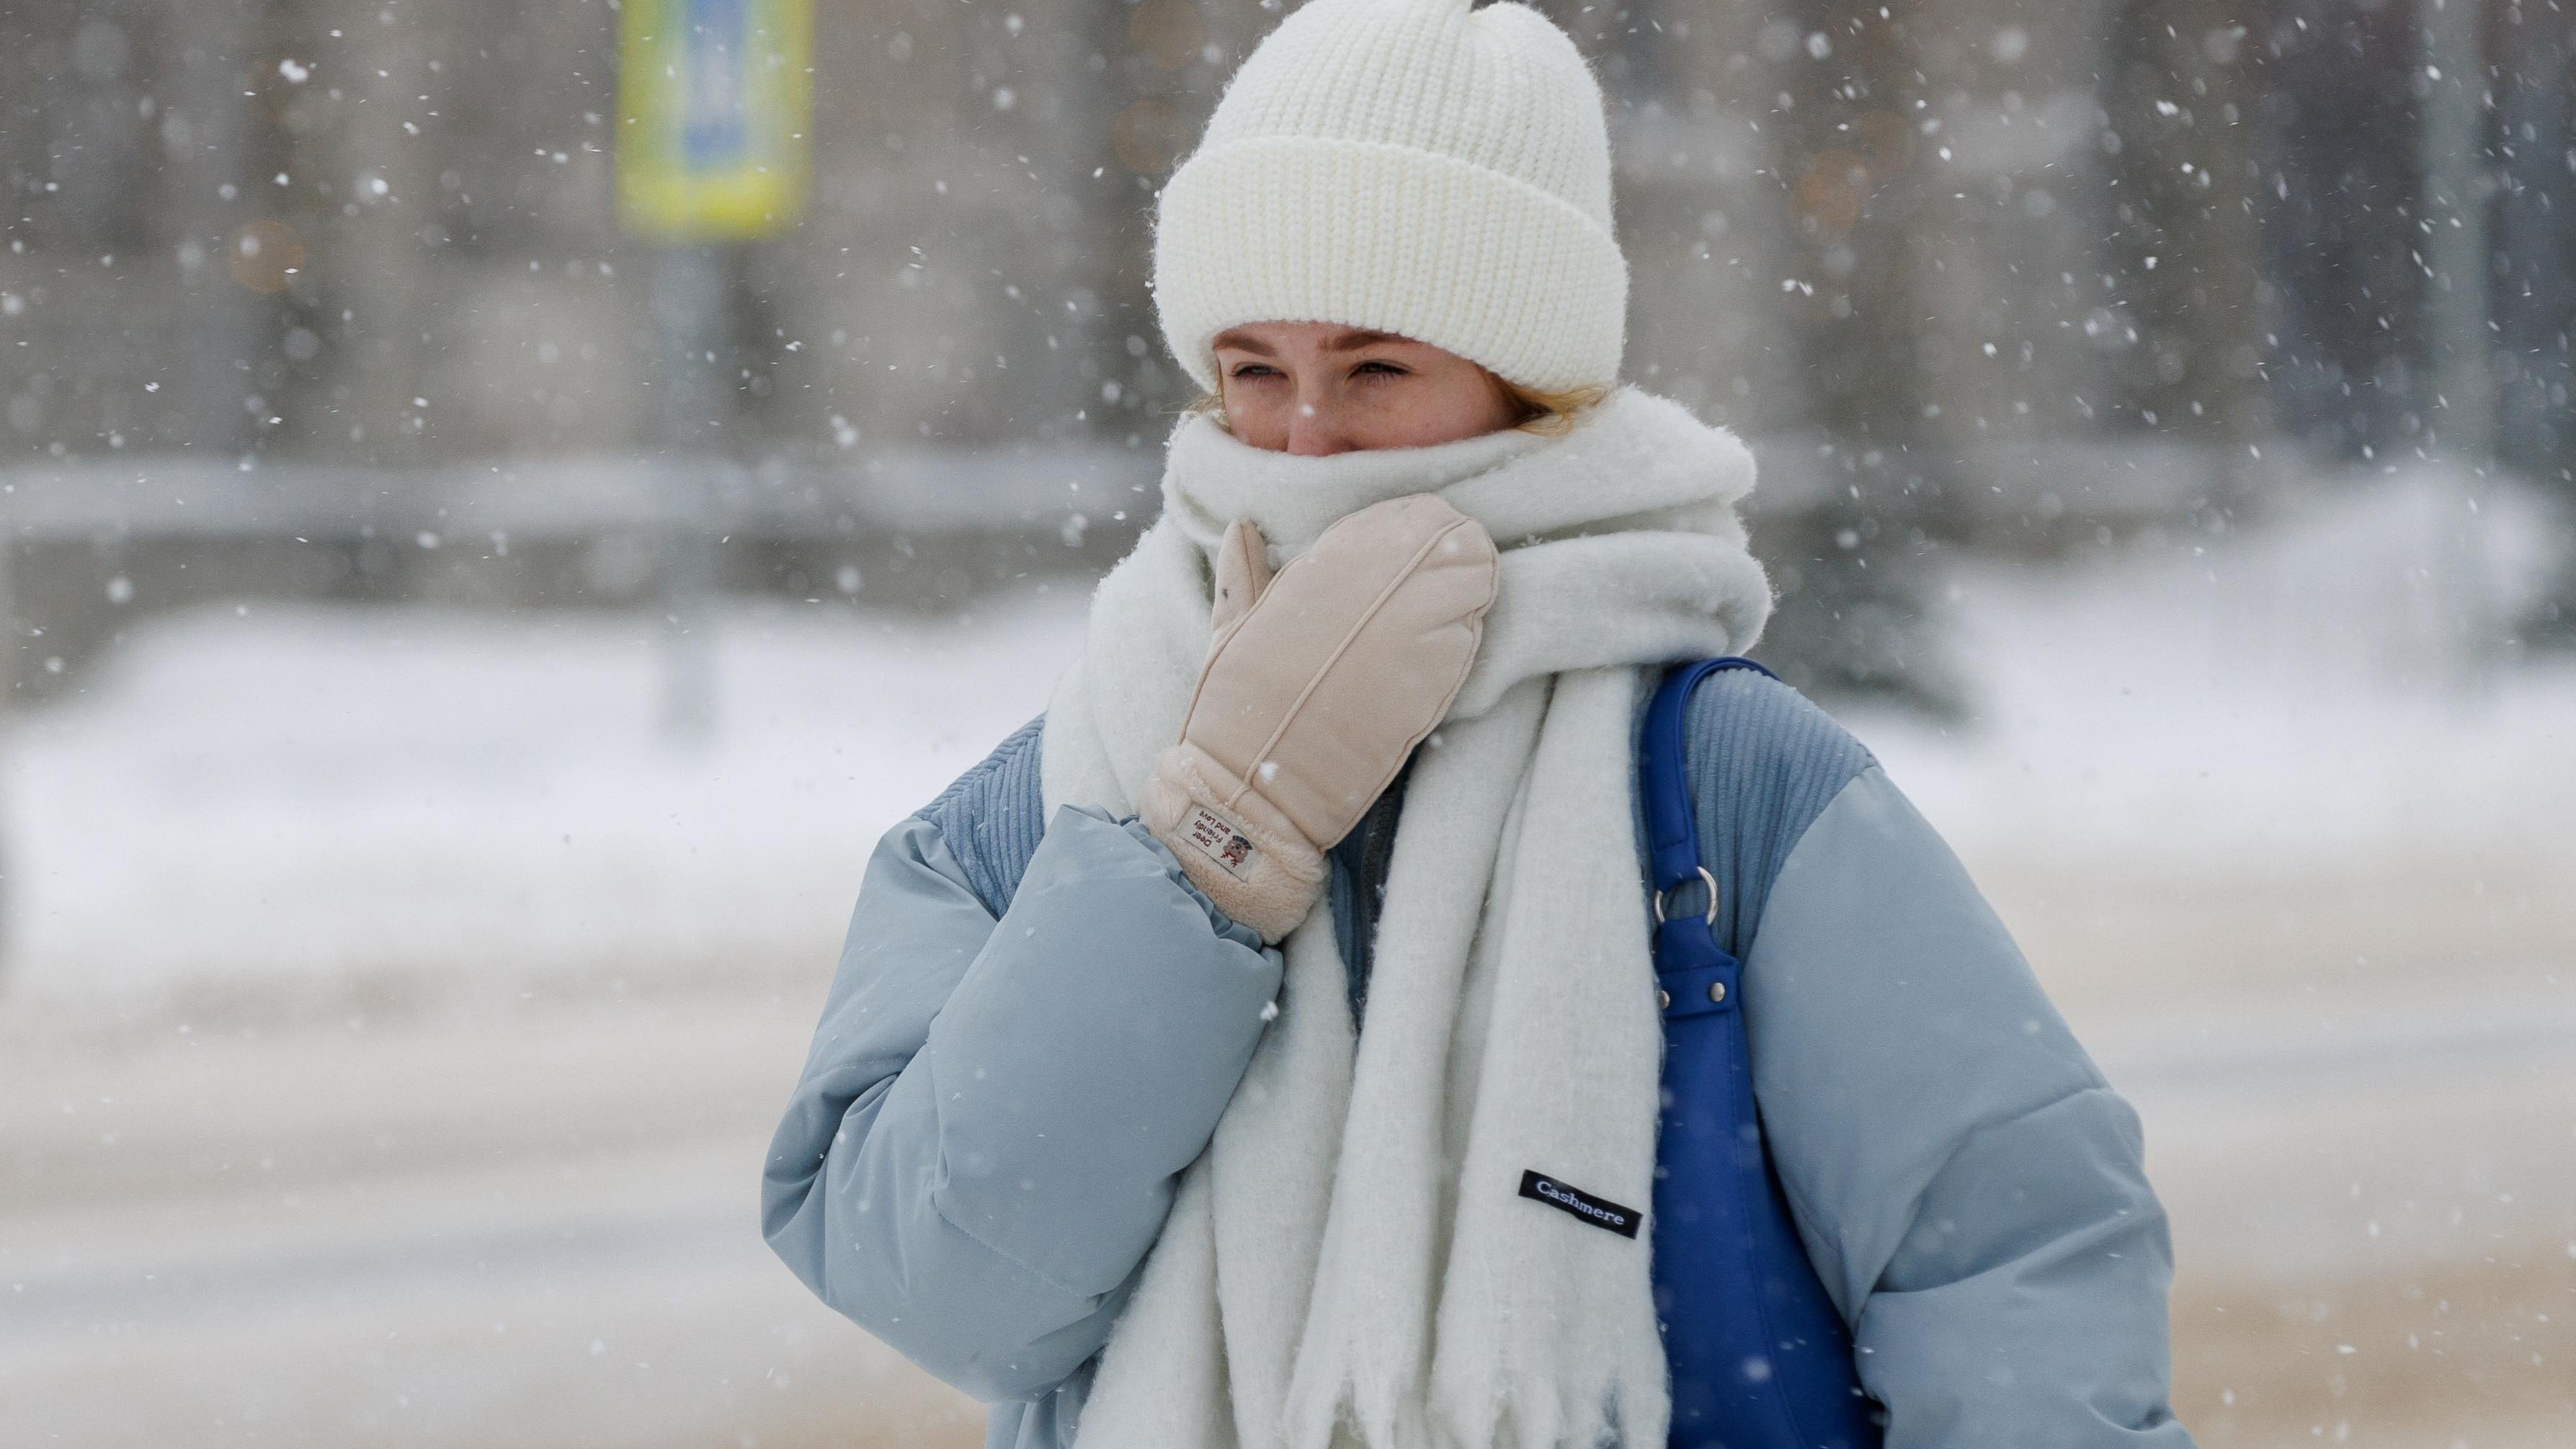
(1663, 998)
(1717, 991)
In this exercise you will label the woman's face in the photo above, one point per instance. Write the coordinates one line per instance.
(1318, 388)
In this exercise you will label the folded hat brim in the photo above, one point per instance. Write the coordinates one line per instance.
(1389, 237)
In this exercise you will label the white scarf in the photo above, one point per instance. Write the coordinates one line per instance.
(1350, 1261)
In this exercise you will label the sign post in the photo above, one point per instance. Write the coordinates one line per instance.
(715, 100)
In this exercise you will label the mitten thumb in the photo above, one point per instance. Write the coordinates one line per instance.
(1242, 573)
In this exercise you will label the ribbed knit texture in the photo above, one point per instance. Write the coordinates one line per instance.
(992, 817)
(1763, 763)
(1412, 166)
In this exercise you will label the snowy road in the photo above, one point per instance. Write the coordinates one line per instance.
(445, 1230)
(268, 1237)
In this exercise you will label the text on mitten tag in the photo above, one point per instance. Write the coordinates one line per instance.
(1218, 840)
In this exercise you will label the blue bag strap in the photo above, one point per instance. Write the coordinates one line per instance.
(1672, 838)
(1733, 1283)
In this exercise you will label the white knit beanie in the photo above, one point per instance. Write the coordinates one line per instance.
(1410, 166)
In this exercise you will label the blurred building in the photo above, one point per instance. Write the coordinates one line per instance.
(1997, 271)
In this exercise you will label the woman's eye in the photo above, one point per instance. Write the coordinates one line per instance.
(1379, 369)
(1253, 370)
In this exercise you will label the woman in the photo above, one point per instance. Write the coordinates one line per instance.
(1188, 1056)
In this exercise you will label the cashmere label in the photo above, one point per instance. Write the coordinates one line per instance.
(1600, 1212)
(1218, 840)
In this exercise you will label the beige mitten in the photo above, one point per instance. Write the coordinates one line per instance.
(1317, 686)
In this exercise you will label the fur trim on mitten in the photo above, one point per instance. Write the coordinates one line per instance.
(1237, 847)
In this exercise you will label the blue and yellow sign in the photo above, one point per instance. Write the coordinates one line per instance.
(715, 101)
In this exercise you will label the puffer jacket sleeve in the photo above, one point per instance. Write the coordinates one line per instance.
(1008, 1078)
(1969, 1187)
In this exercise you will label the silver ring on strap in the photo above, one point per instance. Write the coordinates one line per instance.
(1709, 880)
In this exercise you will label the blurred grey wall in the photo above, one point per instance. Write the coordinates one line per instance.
(335, 208)
(1989, 272)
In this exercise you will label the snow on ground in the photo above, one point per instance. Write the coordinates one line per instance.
(262, 801)
(256, 801)
(2303, 697)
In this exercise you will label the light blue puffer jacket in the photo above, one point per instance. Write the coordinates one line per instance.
(1036, 1024)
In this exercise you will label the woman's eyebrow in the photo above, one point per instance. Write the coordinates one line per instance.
(1357, 338)
(1243, 342)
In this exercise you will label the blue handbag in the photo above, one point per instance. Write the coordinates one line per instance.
(1759, 1355)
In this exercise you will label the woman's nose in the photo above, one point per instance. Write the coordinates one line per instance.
(1315, 428)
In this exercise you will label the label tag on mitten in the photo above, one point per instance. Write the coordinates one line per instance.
(1218, 839)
